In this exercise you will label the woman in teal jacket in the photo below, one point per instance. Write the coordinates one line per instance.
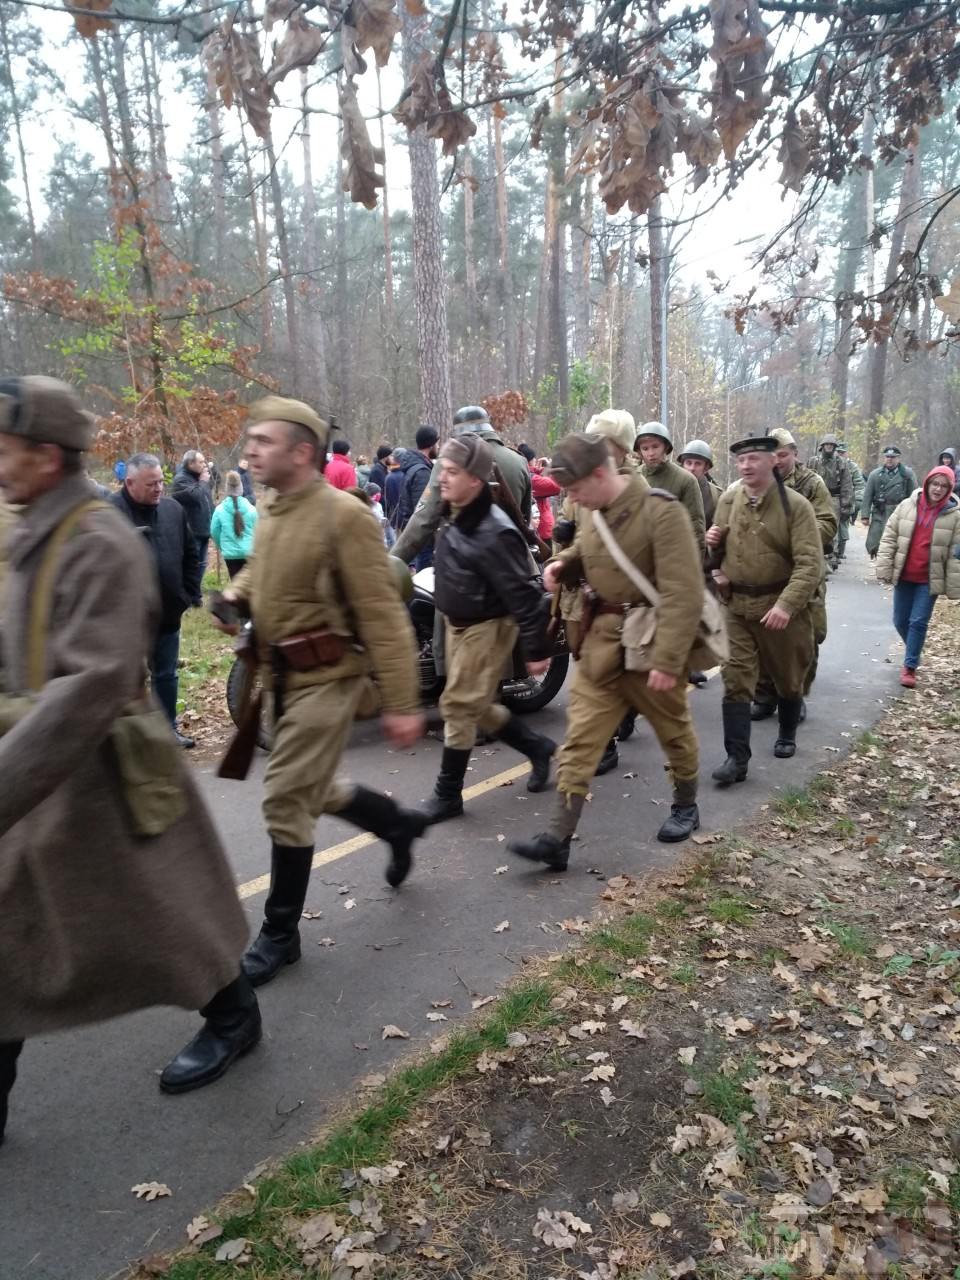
(232, 525)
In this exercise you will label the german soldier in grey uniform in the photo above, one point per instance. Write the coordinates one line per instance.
(887, 487)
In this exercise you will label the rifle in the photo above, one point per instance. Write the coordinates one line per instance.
(235, 764)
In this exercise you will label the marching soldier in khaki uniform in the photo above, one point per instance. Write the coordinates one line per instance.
(327, 616)
(771, 569)
(618, 428)
(425, 521)
(488, 590)
(655, 535)
(654, 445)
(806, 482)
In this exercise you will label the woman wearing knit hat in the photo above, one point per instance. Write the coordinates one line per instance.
(487, 590)
(920, 554)
(232, 525)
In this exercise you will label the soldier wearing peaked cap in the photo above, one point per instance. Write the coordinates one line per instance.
(115, 892)
(771, 568)
(652, 532)
(327, 617)
(887, 487)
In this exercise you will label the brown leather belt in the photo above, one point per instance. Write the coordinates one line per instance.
(758, 589)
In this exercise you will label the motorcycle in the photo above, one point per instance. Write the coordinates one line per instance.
(519, 692)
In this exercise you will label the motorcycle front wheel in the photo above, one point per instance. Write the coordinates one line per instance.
(534, 692)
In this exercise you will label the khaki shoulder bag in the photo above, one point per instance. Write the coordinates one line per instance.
(711, 646)
(145, 751)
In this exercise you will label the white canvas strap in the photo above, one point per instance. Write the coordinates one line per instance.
(625, 565)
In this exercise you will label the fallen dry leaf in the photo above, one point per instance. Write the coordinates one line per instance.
(151, 1190)
(390, 1032)
(238, 1250)
(661, 1220)
(502, 927)
(605, 1071)
(687, 1055)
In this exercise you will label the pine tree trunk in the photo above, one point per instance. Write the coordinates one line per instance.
(909, 192)
(286, 266)
(433, 358)
(846, 281)
(508, 311)
(658, 276)
(15, 111)
(165, 186)
(131, 174)
(260, 240)
(316, 357)
(581, 242)
(344, 359)
(218, 181)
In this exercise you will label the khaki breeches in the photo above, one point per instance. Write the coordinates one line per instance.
(477, 658)
(784, 655)
(765, 692)
(301, 780)
(594, 711)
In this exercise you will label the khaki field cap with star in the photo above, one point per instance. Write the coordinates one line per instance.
(46, 411)
(282, 409)
(576, 456)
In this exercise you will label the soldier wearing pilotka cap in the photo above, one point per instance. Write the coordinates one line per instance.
(771, 568)
(327, 618)
(653, 532)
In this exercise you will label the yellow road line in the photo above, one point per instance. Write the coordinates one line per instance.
(323, 857)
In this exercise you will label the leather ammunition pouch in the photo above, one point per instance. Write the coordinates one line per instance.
(309, 650)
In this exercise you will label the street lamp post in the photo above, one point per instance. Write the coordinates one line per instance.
(755, 382)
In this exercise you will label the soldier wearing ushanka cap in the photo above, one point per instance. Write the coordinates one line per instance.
(488, 591)
(653, 532)
(771, 568)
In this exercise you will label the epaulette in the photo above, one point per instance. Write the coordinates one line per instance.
(663, 493)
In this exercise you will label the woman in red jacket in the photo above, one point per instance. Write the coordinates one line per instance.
(544, 488)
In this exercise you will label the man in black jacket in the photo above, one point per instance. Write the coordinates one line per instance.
(192, 491)
(487, 590)
(163, 523)
(417, 468)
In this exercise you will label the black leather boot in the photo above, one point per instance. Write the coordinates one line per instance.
(789, 710)
(447, 799)
(736, 742)
(538, 749)
(278, 942)
(9, 1053)
(761, 709)
(627, 726)
(372, 811)
(609, 760)
(231, 1029)
(684, 815)
(553, 845)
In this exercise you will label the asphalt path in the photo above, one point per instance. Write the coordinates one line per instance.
(87, 1119)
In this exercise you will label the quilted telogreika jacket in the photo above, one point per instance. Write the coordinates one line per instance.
(944, 546)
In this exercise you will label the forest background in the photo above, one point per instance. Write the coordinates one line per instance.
(390, 210)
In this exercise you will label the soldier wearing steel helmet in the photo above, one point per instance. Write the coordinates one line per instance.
(327, 619)
(512, 466)
(806, 482)
(832, 468)
(697, 458)
(654, 446)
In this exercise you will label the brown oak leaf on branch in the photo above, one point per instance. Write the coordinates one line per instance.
(741, 51)
(375, 24)
(302, 43)
(88, 25)
(428, 103)
(235, 58)
(360, 176)
(453, 128)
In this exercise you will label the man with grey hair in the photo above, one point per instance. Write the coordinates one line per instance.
(191, 489)
(163, 524)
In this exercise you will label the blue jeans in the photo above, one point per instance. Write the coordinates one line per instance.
(163, 671)
(912, 607)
